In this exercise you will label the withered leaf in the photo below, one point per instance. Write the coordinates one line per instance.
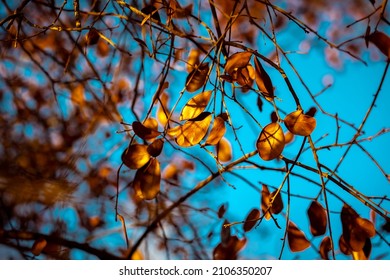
(270, 143)
(381, 41)
(300, 124)
(344, 248)
(246, 76)
(193, 60)
(229, 251)
(38, 246)
(325, 248)
(366, 225)
(297, 240)
(92, 37)
(155, 148)
(318, 218)
(143, 131)
(225, 233)
(151, 10)
(265, 199)
(192, 131)
(251, 219)
(364, 253)
(135, 156)
(217, 131)
(197, 78)
(195, 106)
(263, 81)
(222, 210)
(224, 150)
(237, 60)
(147, 180)
(277, 203)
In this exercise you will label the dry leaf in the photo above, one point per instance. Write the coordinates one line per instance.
(192, 131)
(217, 131)
(277, 203)
(364, 253)
(92, 37)
(297, 240)
(195, 106)
(263, 81)
(225, 233)
(224, 150)
(155, 148)
(318, 218)
(147, 180)
(162, 111)
(197, 78)
(366, 225)
(251, 219)
(38, 246)
(246, 76)
(265, 199)
(144, 132)
(222, 210)
(270, 143)
(344, 246)
(325, 248)
(230, 250)
(237, 60)
(193, 60)
(136, 156)
(381, 41)
(300, 124)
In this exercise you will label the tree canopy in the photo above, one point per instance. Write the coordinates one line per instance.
(176, 129)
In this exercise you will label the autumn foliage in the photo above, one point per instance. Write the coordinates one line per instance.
(193, 130)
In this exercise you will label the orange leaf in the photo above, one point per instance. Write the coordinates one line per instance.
(265, 199)
(136, 156)
(147, 180)
(195, 106)
(155, 148)
(297, 240)
(318, 218)
(192, 131)
(246, 76)
(92, 37)
(224, 150)
(344, 246)
(277, 203)
(381, 41)
(366, 225)
(38, 246)
(197, 78)
(144, 132)
(263, 81)
(364, 253)
(217, 131)
(237, 60)
(300, 124)
(225, 233)
(193, 59)
(325, 248)
(251, 219)
(270, 143)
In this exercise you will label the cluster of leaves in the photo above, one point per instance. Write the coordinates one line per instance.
(172, 79)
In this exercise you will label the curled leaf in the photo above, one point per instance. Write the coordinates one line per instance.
(147, 180)
(297, 240)
(236, 61)
(136, 156)
(325, 248)
(192, 131)
(381, 41)
(217, 131)
(144, 132)
(318, 218)
(195, 106)
(251, 219)
(270, 143)
(197, 78)
(300, 124)
(155, 148)
(263, 81)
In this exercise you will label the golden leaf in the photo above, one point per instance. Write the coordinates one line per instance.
(297, 240)
(136, 156)
(197, 78)
(147, 180)
(265, 199)
(237, 60)
(300, 124)
(195, 106)
(193, 60)
(217, 131)
(263, 81)
(155, 148)
(246, 76)
(192, 131)
(270, 143)
(224, 150)
(144, 132)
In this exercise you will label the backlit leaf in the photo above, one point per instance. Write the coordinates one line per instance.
(251, 219)
(237, 60)
(300, 124)
(344, 246)
(318, 218)
(270, 143)
(147, 180)
(297, 240)
(364, 253)
(366, 225)
(217, 131)
(277, 203)
(162, 111)
(265, 199)
(325, 248)
(197, 78)
(192, 131)
(246, 76)
(155, 148)
(38, 246)
(195, 105)
(224, 150)
(381, 41)
(136, 156)
(193, 60)
(263, 81)
(143, 131)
